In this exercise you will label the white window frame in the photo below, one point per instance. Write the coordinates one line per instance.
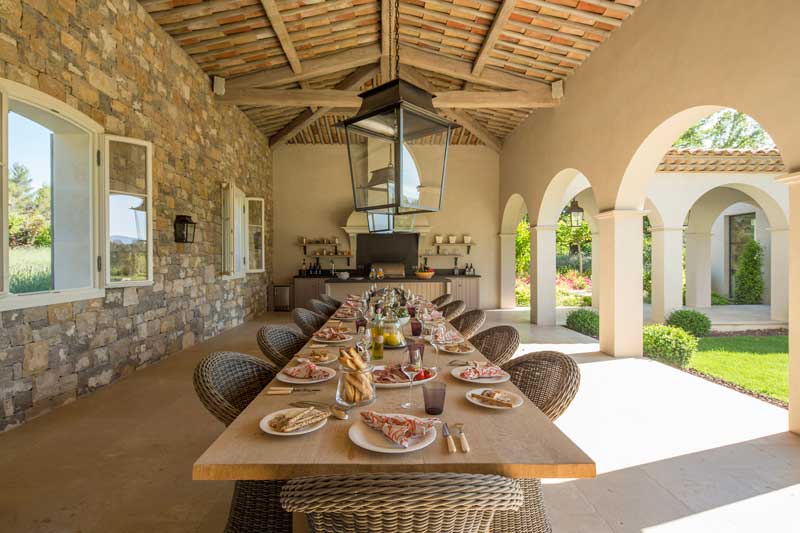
(107, 139)
(247, 235)
(235, 236)
(10, 90)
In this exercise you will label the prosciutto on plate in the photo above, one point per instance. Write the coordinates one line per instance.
(398, 428)
(481, 372)
(389, 374)
(306, 371)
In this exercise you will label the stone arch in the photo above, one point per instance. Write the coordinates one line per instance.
(513, 212)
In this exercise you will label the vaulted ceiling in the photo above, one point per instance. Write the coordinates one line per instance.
(295, 66)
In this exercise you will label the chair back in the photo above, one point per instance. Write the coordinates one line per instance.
(318, 306)
(330, 300)
(453, 309)
(548, 379)
(226, 382)
(444, 299)
(308, 321)
(280, 343)
(469, 323)
(384, 503)
(497, 344)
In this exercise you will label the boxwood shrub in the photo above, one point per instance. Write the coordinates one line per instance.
(584, 321)
(670, 344)
(690, 321)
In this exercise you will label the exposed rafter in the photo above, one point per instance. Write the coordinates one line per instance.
(276, 21)
(498, 24)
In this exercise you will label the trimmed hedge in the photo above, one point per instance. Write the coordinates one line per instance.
(693, 322)
(670, 344)
(584, 321)
(748, 283)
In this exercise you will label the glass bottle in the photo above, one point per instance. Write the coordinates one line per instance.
(392, 335)
(377, 337)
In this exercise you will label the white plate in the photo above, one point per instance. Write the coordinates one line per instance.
(298, 381)
(332, 359)
(505, 376)
(370, 439)
(516, 400)
(346, 338)
(264, 424)
(401, 385)
(472, 349)
(457, 340)
(344, 318)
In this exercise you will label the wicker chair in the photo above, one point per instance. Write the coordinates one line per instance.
(391, 503)
(280, 343)
(453, 309)
(550, 380)
(318, 306)
(444, 299)
(497, 344)
(469, 323)
(308, 321)
(330, 301)
(226, 382)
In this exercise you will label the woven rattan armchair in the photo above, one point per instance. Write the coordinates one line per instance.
(497, 344)
(308, 321)
(226, 382)
(453, 309)
(280, 343)
(550, 380)
(444, 299)
(469, 323)
(336, 304)
(393, 503)
(318, 306)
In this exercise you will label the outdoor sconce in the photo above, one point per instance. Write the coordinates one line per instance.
(575, 214)
(184, 228)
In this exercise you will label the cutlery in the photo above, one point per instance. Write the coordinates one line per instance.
(462, 437)
(451, 445)
(336, 410)
(279, 391)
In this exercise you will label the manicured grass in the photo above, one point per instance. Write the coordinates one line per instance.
(29, 269)
(760, 364)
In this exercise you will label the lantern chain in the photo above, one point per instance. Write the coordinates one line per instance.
(397, 39)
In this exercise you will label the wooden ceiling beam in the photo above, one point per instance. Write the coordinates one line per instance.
(498, 25)
(341, 98)
(276, 21)
(355, 80)
(386, 38)
(322, 66)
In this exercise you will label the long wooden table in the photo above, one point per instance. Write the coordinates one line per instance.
(518, 443)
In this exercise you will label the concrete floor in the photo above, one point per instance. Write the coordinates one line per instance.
(674, 453)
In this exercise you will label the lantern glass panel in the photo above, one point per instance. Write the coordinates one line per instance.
(422, 185)
(372, 170)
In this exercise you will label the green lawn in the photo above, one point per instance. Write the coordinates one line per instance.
(760, 364)
(29, 269)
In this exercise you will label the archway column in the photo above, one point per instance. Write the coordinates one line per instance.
(543, 275)
(779, 274)
(620, 282)
(596, 254)
(793, 181)
(508, 270)
(698, 269)
(667, 271)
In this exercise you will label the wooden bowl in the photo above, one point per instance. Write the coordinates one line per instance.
(425, 275)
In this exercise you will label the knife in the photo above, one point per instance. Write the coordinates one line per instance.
(274, 391)
(451, 444)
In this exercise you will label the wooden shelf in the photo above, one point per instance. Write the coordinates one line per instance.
(441, 255)
(336, 256)
(439, 246)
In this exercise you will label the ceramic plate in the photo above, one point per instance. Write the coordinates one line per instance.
(332, 358)
(471, 349)
(505, 376)
(346, 338)
(372, 440)
(516, 400)
(264, 424)
(282, 376)
(401, 385)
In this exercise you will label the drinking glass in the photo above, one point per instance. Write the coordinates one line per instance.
(438, 339)
(410, 368)
(433, 393)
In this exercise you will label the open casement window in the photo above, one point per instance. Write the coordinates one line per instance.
(129, 211)
(255, 234)
(234, 241)
(52, 223)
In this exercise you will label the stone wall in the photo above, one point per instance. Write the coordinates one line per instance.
(111, 61)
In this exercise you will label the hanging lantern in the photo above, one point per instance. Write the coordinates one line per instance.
(184, 228)
(575, 214)
(388, 223)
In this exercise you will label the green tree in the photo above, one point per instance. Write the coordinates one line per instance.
(523, 245)
(578, 236)
(726, 128)
(748, 285)
(20, 188)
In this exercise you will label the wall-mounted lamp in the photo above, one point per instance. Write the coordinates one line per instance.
(184, 228)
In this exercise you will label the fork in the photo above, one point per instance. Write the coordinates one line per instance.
(462, 438)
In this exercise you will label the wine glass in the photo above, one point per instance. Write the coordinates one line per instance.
(411, 368)
(438, 339)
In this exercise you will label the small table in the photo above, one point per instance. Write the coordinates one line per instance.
(518, 443)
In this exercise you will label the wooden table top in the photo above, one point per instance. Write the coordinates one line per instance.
(518, 443)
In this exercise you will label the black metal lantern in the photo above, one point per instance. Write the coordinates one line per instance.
(575, 214)
(184, 228)
(388, 223)
(384, 175)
